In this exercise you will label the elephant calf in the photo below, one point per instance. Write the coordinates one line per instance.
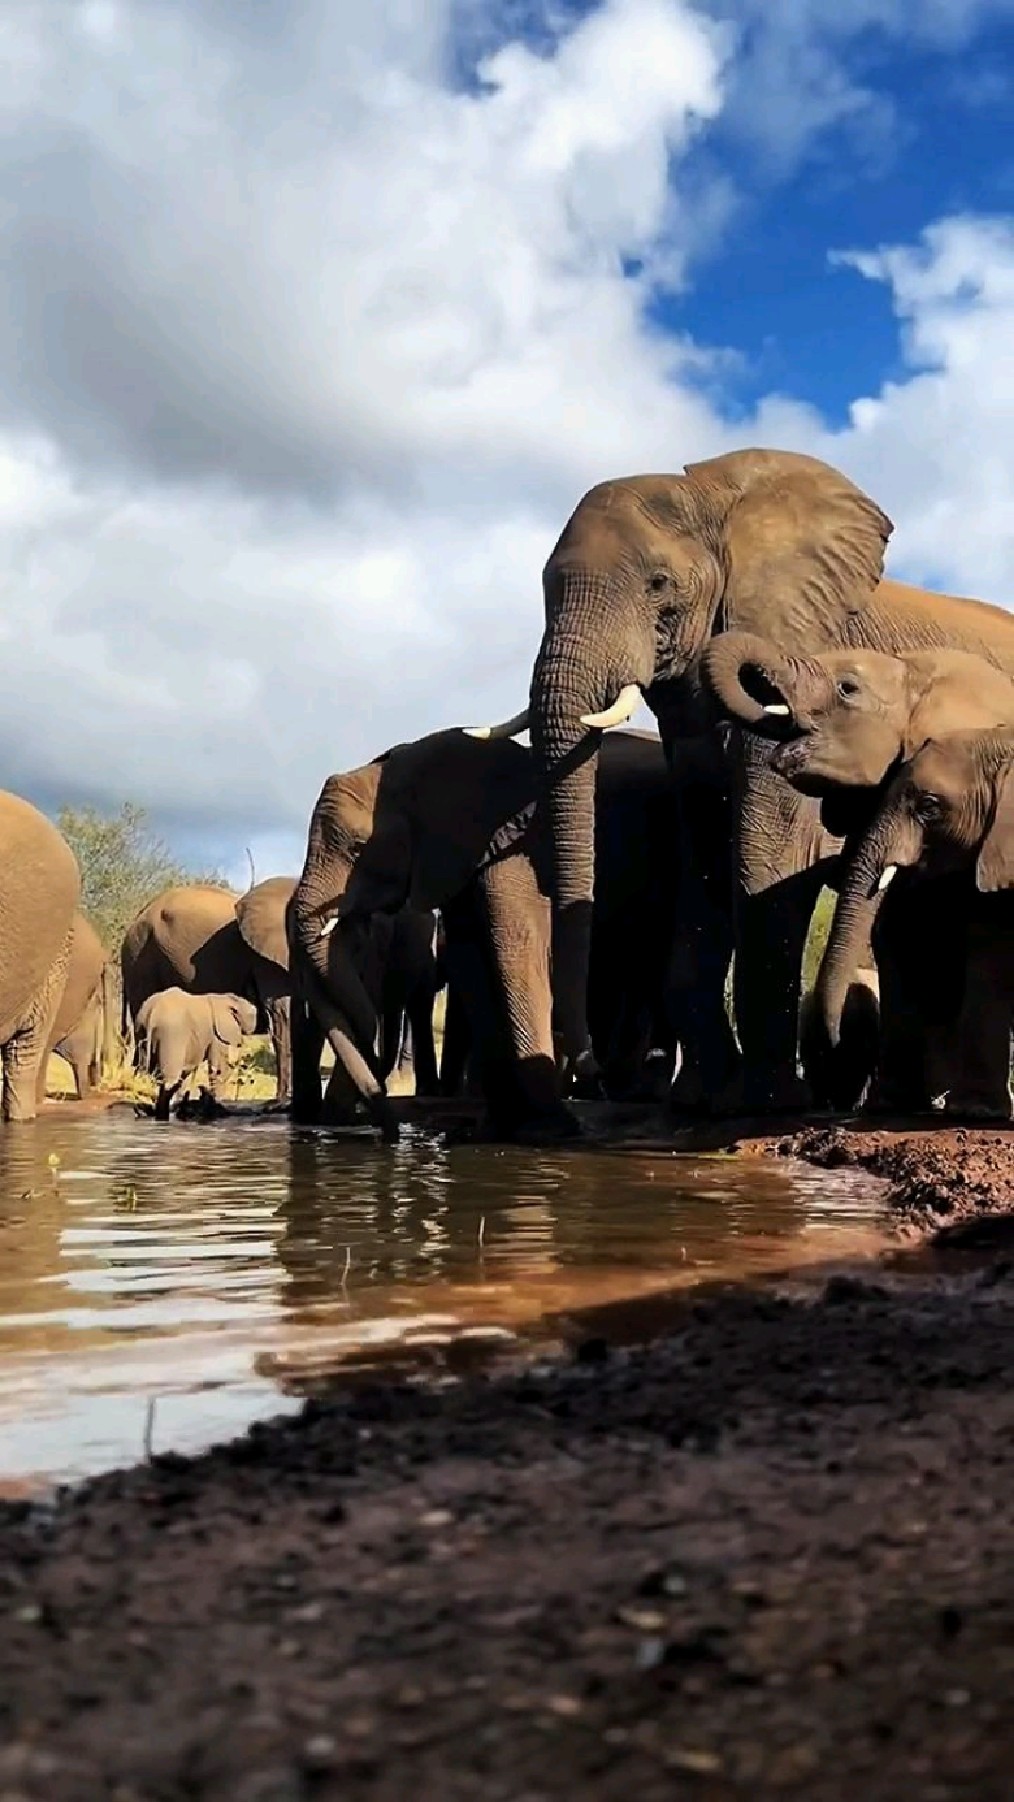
(178, 1032)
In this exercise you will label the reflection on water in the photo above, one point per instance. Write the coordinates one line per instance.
(218, 1269)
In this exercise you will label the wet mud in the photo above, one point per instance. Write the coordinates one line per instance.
(768, 1553)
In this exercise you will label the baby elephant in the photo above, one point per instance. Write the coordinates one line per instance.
(177, 1033)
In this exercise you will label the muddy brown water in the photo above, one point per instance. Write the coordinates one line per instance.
(179, 1282)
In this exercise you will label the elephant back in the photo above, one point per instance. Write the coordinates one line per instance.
(187, 937)
(40, 885)
(260, 914)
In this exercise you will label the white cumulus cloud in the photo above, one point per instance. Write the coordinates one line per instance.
(311, 335)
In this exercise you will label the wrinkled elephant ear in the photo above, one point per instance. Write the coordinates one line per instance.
(994, 867)
(260, 914)
(796, 534)
(231, 1018)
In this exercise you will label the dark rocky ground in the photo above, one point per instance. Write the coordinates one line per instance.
(769, 1554)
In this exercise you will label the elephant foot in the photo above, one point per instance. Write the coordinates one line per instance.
(974, 1110)
(902, 1102)
(763, 1092)
(551, 1126)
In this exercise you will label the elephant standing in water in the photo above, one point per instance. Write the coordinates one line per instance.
(208, 940)
(939, 855)
(39, 889)
(843, 722)
(446, 822)
(76, 1032)
(646, 571)
(177, 1032)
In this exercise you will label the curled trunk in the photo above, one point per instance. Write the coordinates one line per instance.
(758, 687)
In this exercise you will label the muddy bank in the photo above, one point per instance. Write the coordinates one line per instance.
(768, 1554)
(956, 1183)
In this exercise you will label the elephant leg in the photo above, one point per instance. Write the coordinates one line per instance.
(306, 1044)
(279, 1022)
(164, 1098)
(700, 952)
(981, 1087)
(25, 1052)
(454, 1051)
(420, 1036)
(919, 943)
(781, 863)
(521, 1081)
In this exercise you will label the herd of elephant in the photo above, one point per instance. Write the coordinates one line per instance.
(585, 898)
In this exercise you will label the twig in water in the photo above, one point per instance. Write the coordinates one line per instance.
(348, 1265)
(482, 1229)
(149, 1428)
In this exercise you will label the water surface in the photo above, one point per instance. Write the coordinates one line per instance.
(180, 1281)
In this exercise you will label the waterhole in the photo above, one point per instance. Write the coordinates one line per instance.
(164, 1286)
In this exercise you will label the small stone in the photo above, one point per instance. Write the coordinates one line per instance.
(289, 1648)
(643, 1620)
(437, 1517)
(650, 1654)
(310, 1611)
(29, 1615)
(565, 1706)
(699, 1764)
(957, 1698)
(319, 1752)
(410, 1696)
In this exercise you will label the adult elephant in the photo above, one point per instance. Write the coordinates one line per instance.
(447, 822)
(76, 1032)
(646, 570)
(39, 889)
(208, 940)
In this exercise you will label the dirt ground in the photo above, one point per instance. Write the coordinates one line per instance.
(771, 1554)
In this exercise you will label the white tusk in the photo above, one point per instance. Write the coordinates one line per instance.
(328, 926)
(779, 708)
(888, 876)
(623, 708)
(505, 729)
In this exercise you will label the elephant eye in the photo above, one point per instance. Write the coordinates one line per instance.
(847, 688)
(659, 582)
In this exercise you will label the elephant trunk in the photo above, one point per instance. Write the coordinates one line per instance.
(566, 685)
(891, 842)
(758, 687)
(334, 988)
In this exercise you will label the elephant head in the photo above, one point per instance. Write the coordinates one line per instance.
(260, 914)
(232, 1018)
(844, 719)
(951, 806)
(646, 569)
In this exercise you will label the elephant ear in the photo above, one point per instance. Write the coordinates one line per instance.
(260, 914)
(994, 868)
(801, 542)
(231, 1017)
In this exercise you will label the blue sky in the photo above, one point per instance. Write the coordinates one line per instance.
(766, 286)
(318, 319)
